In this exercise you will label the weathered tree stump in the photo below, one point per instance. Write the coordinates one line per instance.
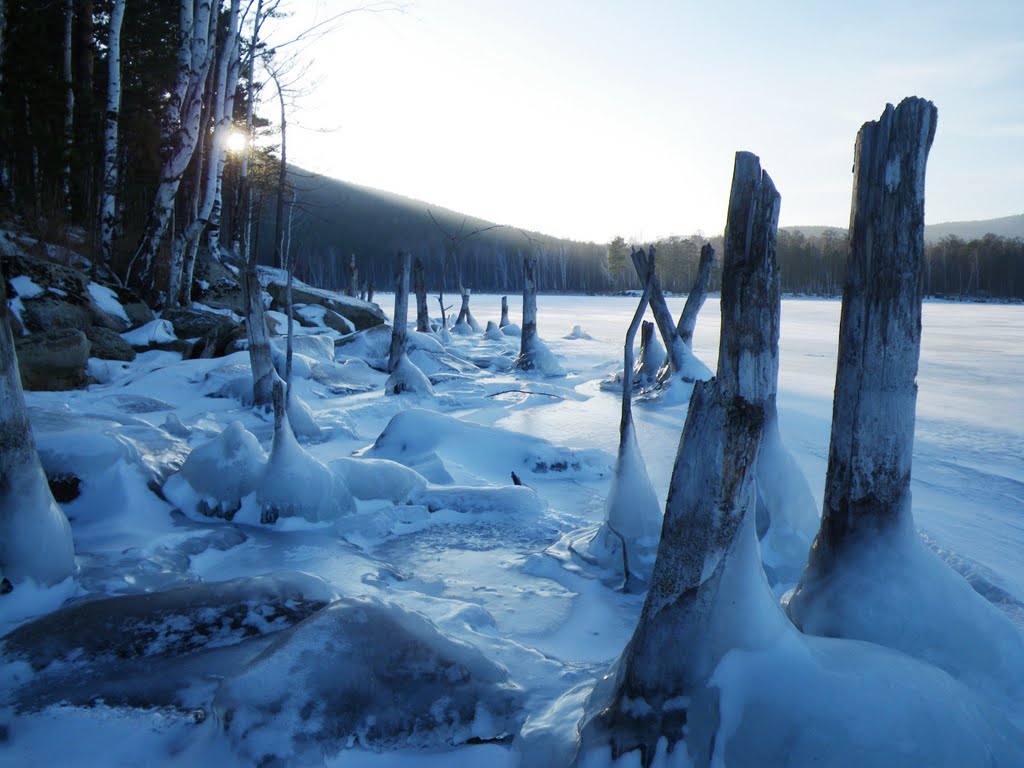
(652, 355)
(352, 289)
(659, 308)
(527, 352)
(401, 318)
(685, 627)
(420, 287)
(867, 484)
(260, 358)
(695, 298)
(504, 313)
(465, 319)
(35, 538)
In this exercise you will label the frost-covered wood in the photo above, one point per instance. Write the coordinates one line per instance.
(35, 538)
(652, 354)
(108, 203)
(465, 322)
(419, 282)
(260, 356)
(504, 313)
(698, 293)
(679, 639)
(659, 308)
(401, 318)
(526, 360)
(867, 484)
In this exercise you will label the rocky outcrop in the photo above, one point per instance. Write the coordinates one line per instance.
(108, 345)
(217, 286)
(213, 333)
(54, 360)
(362, 314)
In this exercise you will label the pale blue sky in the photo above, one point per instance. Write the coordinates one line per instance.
(589, 119)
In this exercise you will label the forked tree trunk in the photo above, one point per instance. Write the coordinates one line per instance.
(35, 538)
(504, 313)
(695, 298)
(108, 205)
(527, 341)
(420, 286)
(867, 484)
(679, 639)
(401, 318)
(659, 308)
(465, 316)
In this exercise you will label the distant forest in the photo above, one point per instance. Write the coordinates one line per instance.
(335, 220)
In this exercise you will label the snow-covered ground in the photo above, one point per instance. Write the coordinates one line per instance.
(482, 559)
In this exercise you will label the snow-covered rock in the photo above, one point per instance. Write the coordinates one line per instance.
(365, 673)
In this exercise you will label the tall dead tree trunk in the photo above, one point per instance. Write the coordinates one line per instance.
(352, 289)
(867, 484)
(69, 106)
(420, 287)
(401, 319)
(504, 313)
(108, 204)
(260, 357)
(35, 538)
(527, 341)
(659, 308)
(695, 298)
(686, 626)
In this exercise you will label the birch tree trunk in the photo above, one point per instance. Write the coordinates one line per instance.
(526, 361)
(197, 30)
(222, 106)
(695, 298)
(239, 222)
(420, 287)
(688, 621)
(401, 319)
(108, 203)
(867, 484)
(35, 538)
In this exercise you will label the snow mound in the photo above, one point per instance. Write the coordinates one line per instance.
(371, 345)
(493, 332)
(365, 673)
(896, 592)
(512, 330)
(417, 437)
(542, 360)
(294, 484)
(577, 332)
(150, 334)
(424, 341)
(408, 378)
(378, 478)
(218, 474)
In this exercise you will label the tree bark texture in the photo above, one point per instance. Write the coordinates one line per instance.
(401, 318)
(108, 204)
(695, 298)
(420, 287)
(679, 638)
(504, 313)
(867, 484)
(526, 360)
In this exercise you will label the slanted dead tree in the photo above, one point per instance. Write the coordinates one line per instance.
(867, 483)
(659, 308)
(527, 341)
(419, 282)
(695, 298)
(504, 313)
(686, 626)
(35, 538)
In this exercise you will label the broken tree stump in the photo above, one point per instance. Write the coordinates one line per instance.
(401, 318)
(419, 282)
(352, 289)
(527, 352)
(867, 483)
(504, 313)
(688, 621)
(659, 308)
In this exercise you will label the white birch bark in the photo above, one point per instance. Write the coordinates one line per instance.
(108, 203)
(35, 538)
(197, 28)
